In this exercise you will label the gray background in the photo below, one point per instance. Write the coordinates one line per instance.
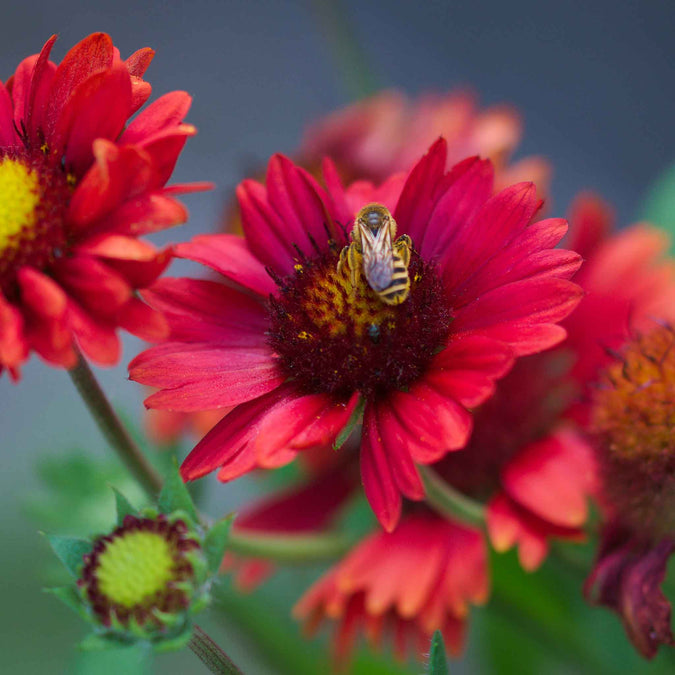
(594, 81)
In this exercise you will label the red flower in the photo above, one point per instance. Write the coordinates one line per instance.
(388, 132)
(298, 350)
(77, 187)
(419, 578)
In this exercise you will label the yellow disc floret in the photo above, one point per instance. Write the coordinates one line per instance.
(635, 410)
(19, 201)
(135, 567)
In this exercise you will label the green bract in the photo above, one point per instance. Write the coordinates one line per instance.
(145, 579)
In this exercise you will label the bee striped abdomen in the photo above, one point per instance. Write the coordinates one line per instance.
(399, 286)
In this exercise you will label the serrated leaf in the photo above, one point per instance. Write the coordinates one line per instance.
(175, 496)
(124, 508)
(438, 661)
(353, 420)
(69, 597)
(70, 551)
(215, 543)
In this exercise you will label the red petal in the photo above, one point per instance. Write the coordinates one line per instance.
(229, 255)
(91, 55)
(43, 295)
(144, 214)
(553, 478)
(477, 240)
(227, 443)
(591, 220)
(96, 339)
(117, 246)
(139, 61)
(13, 348)
(164, 149)
(118, 174)
(378, 481)
(8, 135)
(143, 321)
(167, 111)
(207, 311)
(197, 378)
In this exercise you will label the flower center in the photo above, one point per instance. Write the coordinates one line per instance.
(633, 417)
(134, 567)
(33, 201)
(336, 339)
(140, 568)
(635, 409)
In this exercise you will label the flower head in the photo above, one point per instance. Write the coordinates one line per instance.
(300, 349)
(421, 577)
(78, 185)
(144, 572)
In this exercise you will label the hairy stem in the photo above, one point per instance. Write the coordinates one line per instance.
(210, 654)
(113, 429)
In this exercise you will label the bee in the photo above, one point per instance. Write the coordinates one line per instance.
(383, 260)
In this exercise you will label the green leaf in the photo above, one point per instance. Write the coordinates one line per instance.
(70, 551)
(124, 508)
(70, 597)
(354, 419)
(175, 495)
(215, 543)
(438, 661)
(659, 206)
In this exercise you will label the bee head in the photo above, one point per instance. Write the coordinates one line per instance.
(374, 217)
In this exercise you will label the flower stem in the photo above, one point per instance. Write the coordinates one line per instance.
(210, 654)
(290, 548)
(111, 427)
(448, 502)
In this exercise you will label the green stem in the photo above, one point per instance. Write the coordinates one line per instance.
(210, 654)
(119, 438)
(448, 502)
(341, 37)
(290, 548)
(112, 428)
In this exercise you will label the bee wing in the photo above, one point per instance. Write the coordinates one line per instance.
(378, 257)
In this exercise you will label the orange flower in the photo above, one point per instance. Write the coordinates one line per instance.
(77, 187)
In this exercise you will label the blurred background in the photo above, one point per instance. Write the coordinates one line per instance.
(594, 83)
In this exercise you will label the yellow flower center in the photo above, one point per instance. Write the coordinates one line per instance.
(635, 410)
(334, 306)
(19, 201)
(134, 567)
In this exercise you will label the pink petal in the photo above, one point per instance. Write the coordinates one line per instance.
(229, 255)
(195, 378)
(476, 241)
(143, 321)
(207, 311)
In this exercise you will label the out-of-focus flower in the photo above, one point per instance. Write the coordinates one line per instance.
(632, 420)
(300, 352)
(77, 188)
(164, 427)
(410, 582)
(389, 132)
